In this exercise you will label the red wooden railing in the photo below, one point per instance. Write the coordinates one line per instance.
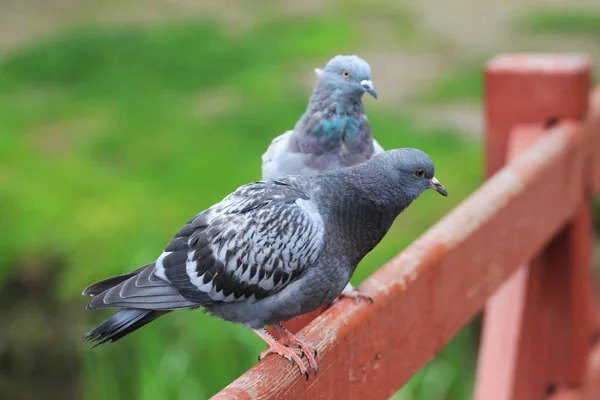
(520, 247)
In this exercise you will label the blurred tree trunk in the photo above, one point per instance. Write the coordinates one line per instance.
(38, 339)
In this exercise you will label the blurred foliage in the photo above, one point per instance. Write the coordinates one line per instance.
(560, 20)
(449, 375)
(463, 83)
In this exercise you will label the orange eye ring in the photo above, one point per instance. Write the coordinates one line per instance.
(346, 74)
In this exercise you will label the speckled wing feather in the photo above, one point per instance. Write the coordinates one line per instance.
(250, 245)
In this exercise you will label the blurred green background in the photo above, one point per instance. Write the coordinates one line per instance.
(119, 120)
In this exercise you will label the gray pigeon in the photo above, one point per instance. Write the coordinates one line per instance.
(270, 251)
(334, 131)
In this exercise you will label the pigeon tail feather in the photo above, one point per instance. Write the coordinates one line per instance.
(120, 324)
(105, 284)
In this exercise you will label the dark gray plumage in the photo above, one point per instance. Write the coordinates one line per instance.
(271, 250)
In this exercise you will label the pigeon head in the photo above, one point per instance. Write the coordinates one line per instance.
(350, 75)
(406, 172)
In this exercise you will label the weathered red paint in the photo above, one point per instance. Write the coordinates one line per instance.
(426, 294)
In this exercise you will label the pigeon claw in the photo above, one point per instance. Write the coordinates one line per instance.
(304, 349)
(307, 352)
(301, 350)
(288, 347)
(290, 353)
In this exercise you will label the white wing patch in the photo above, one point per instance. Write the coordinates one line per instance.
(159, 269)
(310, 209)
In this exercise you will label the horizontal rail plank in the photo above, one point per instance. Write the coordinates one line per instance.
(427, 293)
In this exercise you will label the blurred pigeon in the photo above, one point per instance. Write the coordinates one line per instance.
(270, 251)
(333, 132)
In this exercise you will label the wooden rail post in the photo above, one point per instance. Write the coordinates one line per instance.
(537, 326)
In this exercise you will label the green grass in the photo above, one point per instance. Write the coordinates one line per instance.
(444, 377)
(111, 139)
(399, 18)
(463, 83)
(560, 20)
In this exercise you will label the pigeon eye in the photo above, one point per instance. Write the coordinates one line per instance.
(420, 173)
(346, 74)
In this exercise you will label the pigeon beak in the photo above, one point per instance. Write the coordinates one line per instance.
(437, 186)
(368, 86)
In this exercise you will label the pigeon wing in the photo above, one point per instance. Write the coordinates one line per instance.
(254, 243)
